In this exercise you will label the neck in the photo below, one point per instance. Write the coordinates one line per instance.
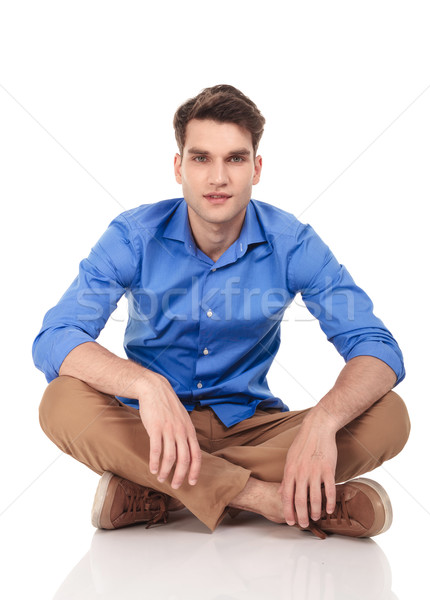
(214, 238)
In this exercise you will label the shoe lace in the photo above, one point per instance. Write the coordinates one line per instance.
(149, 500)
(340, 513)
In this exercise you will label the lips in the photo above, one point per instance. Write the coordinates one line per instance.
(217, 198)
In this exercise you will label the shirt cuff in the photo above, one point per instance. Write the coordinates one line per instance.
(382, 351)
(62, 342)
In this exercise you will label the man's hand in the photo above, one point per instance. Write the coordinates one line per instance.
(171, 432)
(310, 464)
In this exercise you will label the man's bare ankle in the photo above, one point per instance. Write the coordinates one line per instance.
(262, 498)
(247, 497)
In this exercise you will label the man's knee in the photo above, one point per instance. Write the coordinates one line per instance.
(63, 401)
(393, 419)
(384, 428)
(52, 406)
(377, 435)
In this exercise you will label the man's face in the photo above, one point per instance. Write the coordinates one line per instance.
(217, 171)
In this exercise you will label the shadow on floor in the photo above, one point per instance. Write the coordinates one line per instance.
(247, 558)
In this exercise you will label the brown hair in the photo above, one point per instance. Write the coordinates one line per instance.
(222, 103)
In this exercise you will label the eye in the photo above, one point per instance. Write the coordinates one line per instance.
(236, 159)
(200, 159)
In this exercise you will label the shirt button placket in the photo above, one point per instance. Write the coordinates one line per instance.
(205, 351)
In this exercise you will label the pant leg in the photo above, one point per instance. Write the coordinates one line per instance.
(376, 436)
(106, 435)
(364, 444)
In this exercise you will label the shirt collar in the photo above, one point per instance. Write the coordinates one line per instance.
(178, 227)
(252, 232)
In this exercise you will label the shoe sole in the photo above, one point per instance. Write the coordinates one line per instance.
(385, 499)
(99, 499)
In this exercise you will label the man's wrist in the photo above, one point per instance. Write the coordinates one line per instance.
(323, 417)
(146, 381)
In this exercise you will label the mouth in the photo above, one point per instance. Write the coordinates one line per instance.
(217, 198)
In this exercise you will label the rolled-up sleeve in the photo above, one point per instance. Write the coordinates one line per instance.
(85, 307)
(343, 309)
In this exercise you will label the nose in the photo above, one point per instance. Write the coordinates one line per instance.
(218, 175)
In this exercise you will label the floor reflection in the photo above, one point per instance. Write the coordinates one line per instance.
(245, 559)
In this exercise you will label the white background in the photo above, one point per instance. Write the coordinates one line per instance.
(87, 94)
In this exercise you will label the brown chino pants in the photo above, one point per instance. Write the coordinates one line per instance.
(106, 435)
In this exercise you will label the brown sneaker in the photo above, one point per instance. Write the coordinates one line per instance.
(363, 509)
(119, 503)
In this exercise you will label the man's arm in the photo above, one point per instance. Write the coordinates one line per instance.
(311, 459)
(172, 434)
(66, 346)
(374, 364)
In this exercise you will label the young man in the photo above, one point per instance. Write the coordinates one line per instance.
(188, 419)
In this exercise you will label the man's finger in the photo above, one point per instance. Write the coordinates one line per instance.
(154, 452)
(169, 457)
(301, 503)
(287, 496)
(183, 461)
(196, 460)
(315, 497)
(330, 493)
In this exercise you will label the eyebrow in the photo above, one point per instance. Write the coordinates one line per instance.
(240, 151)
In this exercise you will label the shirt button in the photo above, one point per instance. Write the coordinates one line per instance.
(213, 270)
(209, 313)
(205, 351)
(200, 384)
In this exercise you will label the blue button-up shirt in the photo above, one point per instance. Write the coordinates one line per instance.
(211, 328)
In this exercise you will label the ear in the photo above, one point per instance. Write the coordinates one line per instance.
(177, 166)
(258, 165)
